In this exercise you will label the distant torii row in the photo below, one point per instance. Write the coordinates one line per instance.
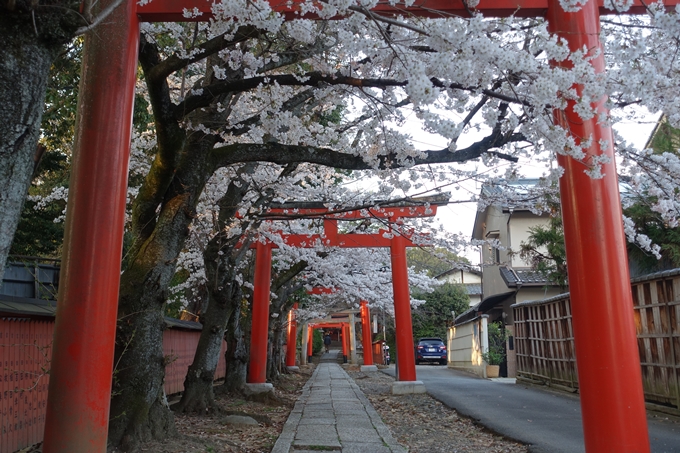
(395, 240)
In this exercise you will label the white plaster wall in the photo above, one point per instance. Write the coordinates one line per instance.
(464, 346)
(519, 232)
(463, 277)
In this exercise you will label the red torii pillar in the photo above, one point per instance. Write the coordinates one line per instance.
(81, 368)
(406, 362)
(610, 378)
(259, 337)
(77, 407)
(345, 342)
(310, 339)
(367, 338)
(291, 348)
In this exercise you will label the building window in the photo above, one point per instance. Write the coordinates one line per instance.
(494, 251)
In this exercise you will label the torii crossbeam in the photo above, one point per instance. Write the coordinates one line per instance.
(82, 361)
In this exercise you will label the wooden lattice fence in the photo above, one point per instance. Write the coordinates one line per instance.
(657, 323)
(545, 341)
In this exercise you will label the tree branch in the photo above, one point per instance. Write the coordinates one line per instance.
(315, 79)
(492, 94)
(175, 62)
(311, 79)
(286, 276)
(292, 104)
(284, 154)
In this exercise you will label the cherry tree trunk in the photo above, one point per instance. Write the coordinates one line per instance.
(221, 258)
(139, 410)
(25, 61)
(224, 300)
(237, 355)
(276, 345)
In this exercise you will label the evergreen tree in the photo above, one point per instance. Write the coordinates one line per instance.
(434, 261)
(545, 250)
(432, 318)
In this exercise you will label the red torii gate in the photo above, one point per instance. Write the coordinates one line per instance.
(365, 329)
(344, 335)
(319, 290)
(396, 241)
(292, 330)
(82, 361)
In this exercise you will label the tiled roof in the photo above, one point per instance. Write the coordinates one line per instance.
(466, 316)
(487, 304)
(522, 277)
(473, 289)
(492, 301)
(21, 307)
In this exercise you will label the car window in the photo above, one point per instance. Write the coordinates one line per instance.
(432, 342)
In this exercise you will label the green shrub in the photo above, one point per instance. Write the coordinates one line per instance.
(496, 353)
(317, 341)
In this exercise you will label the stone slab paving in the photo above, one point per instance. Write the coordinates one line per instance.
(333, 414)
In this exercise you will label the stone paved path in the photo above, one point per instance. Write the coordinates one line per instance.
(333, 414)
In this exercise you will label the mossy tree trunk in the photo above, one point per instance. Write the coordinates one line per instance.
(162, 213)
(138, 408)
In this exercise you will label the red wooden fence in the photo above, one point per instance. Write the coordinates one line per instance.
(25, 352)
(24, 361)
(179, 347)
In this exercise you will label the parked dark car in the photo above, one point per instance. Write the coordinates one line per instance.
(431, 350)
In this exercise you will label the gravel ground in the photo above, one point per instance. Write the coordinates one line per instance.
(418, 422)
(425, 425)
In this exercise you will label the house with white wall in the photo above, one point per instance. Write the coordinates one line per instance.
(470, 279)
(506, 278)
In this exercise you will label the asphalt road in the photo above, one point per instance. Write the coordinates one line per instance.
(548, 421)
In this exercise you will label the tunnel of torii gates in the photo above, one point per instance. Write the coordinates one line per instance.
(609, 372)
(397, 241)
(348, 338)
(307, 338)
(346, 332)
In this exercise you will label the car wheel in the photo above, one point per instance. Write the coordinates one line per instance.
(442, 362)
(417, 362)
